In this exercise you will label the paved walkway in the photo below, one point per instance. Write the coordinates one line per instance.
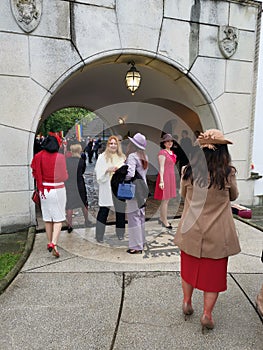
(96, 296)
(99, 297)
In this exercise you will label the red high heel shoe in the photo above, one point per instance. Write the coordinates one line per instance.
(206, 323)
(55, 251)
(50, 247)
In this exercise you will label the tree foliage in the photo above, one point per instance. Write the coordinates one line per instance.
(65, 119)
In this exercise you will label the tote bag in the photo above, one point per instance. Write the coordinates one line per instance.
(126, 191)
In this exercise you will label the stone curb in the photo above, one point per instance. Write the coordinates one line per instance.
(260, 228)
(4, 283)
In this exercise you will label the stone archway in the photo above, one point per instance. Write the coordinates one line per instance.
(166, 94)
(101, 84)
(175, 47)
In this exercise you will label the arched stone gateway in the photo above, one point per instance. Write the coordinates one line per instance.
(197, 59)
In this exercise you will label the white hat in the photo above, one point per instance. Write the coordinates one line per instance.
(138, 140)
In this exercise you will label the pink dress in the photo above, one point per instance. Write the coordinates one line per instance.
(169, 190)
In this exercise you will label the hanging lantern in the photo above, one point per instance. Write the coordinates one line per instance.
(133, 78)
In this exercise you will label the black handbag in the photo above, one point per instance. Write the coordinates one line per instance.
(126, 191)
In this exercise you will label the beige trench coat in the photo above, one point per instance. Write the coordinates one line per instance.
(207, 228)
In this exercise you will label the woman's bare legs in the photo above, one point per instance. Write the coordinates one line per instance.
(49, 230)
(56, 231)
(206, 320)
(187, 302)
(86, 216)
(259, 301)
(187, 291)
(210, 299)
(164, 211)
(69, 213)
(53, 230)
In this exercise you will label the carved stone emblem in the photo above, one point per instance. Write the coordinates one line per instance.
(228, 40)
(27, 13)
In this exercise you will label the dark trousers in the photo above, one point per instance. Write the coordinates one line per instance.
(90, 155)
(103, 215)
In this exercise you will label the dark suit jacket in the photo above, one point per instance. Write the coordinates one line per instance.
(118, 177)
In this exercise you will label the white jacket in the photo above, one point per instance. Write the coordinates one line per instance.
(103, 178)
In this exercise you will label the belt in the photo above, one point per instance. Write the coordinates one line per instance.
(52, 186)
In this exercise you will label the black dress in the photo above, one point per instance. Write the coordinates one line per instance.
(75, 185)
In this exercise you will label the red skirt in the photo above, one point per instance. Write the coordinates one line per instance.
(209, 275)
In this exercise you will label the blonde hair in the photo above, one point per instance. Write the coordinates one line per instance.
(76, 150)
(108, 154)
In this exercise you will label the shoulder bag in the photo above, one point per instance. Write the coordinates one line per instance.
(126, 191)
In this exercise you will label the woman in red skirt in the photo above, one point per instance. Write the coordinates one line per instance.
(206, 233)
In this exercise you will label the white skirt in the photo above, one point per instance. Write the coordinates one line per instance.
(53, 206)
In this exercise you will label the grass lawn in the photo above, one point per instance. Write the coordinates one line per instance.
(7, 262)
(11, 247)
